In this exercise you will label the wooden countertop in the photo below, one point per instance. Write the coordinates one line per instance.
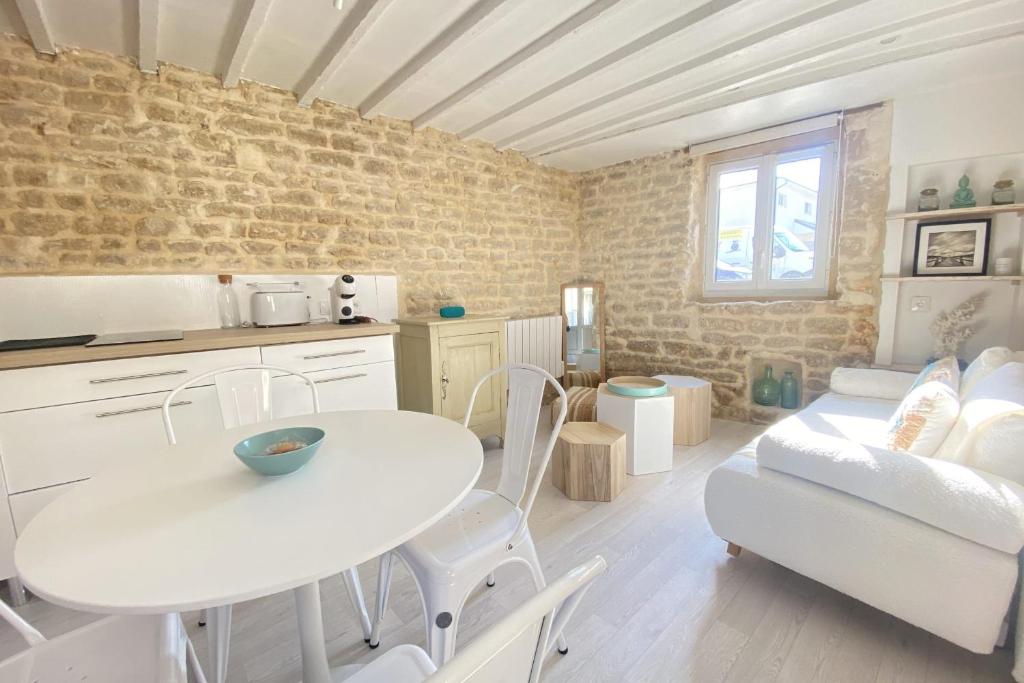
(194, 340)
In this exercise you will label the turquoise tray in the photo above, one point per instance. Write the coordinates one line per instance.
(637, 387)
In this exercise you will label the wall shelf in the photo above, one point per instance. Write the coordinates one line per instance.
(955, 278)
(959, 213)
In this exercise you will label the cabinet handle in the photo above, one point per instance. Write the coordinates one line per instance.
(127, 411)
(339, 378)
(144, 376)
(332, 355)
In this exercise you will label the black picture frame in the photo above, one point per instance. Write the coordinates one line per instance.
(923, 230)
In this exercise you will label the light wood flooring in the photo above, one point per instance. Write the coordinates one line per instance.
(673, 606)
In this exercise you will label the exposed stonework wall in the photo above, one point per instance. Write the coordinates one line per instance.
(641, 233)
(104, 169)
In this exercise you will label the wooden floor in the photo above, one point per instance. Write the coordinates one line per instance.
(673, 606)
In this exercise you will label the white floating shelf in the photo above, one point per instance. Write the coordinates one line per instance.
(959, 213)
(954, 278)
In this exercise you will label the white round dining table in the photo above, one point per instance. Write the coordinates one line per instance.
(189, 527)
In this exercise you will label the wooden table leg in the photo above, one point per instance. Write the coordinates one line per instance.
(311, 634)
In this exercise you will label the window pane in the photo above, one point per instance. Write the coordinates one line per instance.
(737, 207)
(796, 218)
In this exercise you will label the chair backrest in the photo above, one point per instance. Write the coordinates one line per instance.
(525, 395)
(513, 650)
(243, 392)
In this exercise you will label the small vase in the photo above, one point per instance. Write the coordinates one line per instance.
(790, 391)
(766, 389)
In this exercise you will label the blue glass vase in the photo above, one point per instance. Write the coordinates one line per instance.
(767, 389)
(790, 391)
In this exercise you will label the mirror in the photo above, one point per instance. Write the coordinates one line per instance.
(583, 341)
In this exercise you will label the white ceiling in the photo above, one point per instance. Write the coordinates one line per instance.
(576, 84)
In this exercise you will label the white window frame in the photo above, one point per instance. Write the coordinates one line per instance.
(762, 285)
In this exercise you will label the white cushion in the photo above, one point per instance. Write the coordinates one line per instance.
(924, 419)
(871, 383)
(943, 370)
(983, 366)
(862, 420)
(989, 433)
(978, 506)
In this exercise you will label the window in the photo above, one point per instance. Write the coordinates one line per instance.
(757, 245)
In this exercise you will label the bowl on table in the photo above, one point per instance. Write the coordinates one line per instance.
(637, 387)
(281, 451)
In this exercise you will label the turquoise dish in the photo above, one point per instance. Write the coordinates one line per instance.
(257, 451)
(452, 311)
(637, 387)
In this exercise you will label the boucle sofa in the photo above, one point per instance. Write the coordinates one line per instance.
(931, 540)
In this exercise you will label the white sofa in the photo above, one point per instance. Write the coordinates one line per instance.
(932, 541)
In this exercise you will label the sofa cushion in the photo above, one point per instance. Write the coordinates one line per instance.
(924, 418)
(871, 383)
(984, 365)
(945, 370)
(979, 506)
(862, 420)
(989, 431)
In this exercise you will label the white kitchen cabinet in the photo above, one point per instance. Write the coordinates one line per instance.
(362, 387)
(55, 445)
(60, 425)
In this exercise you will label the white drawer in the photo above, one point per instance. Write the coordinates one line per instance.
(60, 384)
(364, 387)
(25, 506)
(47, 446)
(326, 355)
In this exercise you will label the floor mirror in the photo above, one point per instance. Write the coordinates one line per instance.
(583, 348)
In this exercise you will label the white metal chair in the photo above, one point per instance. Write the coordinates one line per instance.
(487, 529)
(245, 397)
(512, 651)
(111, 649)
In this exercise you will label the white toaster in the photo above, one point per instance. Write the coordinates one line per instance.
(279, 303)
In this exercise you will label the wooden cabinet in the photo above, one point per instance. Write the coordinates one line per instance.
(440, 361)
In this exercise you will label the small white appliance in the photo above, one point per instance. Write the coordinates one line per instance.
(279, 303)
(343, 295)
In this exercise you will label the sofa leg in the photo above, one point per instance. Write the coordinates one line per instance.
(733, 549)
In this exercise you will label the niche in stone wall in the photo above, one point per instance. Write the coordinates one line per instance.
(779, 366)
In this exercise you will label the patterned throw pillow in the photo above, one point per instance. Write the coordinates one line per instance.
(923, 419)
(945, 370)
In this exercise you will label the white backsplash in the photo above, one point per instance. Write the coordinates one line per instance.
(53, 306)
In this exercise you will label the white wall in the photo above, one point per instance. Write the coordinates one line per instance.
(977, 128)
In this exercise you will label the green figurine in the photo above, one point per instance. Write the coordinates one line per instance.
(963, 198)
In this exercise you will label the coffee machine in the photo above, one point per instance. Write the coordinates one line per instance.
(343, 294)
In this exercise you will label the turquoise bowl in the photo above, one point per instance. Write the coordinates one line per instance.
(253, 451)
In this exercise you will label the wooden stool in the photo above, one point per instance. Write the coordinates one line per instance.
(589, 461)
(692, 423)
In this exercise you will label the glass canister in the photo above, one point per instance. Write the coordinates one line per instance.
(767, 389)
(929, 200)
(1002, 192)
(227, 304)
(790, 391)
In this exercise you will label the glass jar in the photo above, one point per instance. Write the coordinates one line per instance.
(929, 200)
(227, 304)
(1002, 192)
(766, 389)
(790, 391)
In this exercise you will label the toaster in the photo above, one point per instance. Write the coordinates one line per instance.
(279, 303)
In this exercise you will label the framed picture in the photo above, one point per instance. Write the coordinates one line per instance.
(952, 247)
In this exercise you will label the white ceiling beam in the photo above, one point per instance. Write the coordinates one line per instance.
(682, 23)
(356, 25)
(34, 18)
(469, 19)
(250, 29)
(588, 13)
(149, 32)
(733, 47)
(947, 44)
(782, 65)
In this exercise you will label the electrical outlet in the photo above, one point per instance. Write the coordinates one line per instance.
(920, 304)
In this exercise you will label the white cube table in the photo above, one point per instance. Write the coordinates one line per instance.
(647, 423)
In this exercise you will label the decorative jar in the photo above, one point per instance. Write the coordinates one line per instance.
(767, 389)
(929, 200)
(790, 391)
(1002, 192)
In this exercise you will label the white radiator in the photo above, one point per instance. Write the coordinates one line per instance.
(537, 341)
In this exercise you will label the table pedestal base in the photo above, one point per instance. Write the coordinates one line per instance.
(311, 634)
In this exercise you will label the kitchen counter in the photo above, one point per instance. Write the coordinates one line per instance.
(194, 340)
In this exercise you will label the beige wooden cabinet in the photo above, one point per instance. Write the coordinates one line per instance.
(440, 361)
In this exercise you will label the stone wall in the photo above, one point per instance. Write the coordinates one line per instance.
(104, 169)
(641, 233)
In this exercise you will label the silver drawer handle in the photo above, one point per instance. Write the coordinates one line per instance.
(332, 355)
(126, 411)
(145, 376)
(338, 379)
